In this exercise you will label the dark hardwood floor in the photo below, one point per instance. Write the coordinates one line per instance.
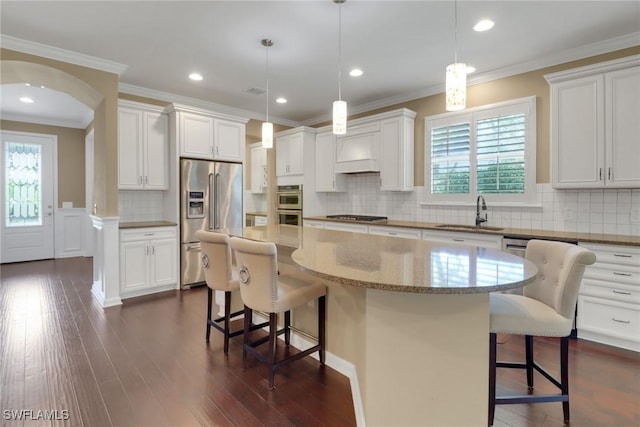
(146, 363)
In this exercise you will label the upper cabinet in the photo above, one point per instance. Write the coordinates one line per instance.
(327, 180)
(380, 143)
(595, 126)
(290, 145)
(258, 155)
(143, 147)
(204, 134)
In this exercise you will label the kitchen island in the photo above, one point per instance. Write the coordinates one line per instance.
(412, 317)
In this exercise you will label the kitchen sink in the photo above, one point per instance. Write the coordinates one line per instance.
(469, 227)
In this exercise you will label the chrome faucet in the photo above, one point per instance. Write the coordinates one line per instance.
(479, 219)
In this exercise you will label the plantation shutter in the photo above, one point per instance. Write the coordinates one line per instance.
(450, 148)
(500, 145)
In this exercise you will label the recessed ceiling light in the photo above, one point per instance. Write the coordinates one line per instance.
(484, 25)
(26, 100)
(195, 77)
(281, 100)
(356, 72)
(470, 69)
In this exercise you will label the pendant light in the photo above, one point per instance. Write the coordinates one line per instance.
(456, 75)
(267, 127)
(339, 106)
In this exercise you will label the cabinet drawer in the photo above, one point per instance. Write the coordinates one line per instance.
(613, 291)
(623, 255)
(314, 224)
(406, 233)
(614, 273)
(148, 233)
(610, 318)
(353, 228)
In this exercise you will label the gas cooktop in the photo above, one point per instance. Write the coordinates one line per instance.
(366, 218)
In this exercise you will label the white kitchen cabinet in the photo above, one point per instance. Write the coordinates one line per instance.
(258, 155)
(396, 152)
(594, 118)
(228, 140)
(609, 297)
(143, 147)
(148, 260)
(327, 180)
(407, 233)
(203, 134)
(290, 147)
(472, 239)
(341, 226)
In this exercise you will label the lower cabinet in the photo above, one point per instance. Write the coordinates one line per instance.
(407, 233)
(353, 228)
(148, 260)
(473, 239)
(609, 298)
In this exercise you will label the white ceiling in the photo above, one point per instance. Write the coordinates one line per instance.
(403, 47)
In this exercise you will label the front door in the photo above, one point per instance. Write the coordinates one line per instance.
(27, 196)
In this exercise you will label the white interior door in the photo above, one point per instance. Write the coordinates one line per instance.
(28, 186)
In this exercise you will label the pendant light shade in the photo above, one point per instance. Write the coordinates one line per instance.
(339, 106)
(339, 117)
(456, 75)
(267, 135)
(267, 127)
(456, 86)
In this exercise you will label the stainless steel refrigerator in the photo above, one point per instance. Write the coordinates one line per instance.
(210, 198)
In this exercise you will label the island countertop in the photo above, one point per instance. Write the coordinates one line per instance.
(392, 264)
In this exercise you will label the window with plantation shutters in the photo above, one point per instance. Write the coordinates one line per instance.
(482, 151)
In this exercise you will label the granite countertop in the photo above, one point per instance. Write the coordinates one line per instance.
(613, 239)
(145, 224)
(391, 264)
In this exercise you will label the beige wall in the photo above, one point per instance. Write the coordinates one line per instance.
(98, 90)
(71, 164)
(518, 86)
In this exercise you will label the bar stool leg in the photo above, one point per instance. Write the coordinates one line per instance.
(564, 375)
(209, 298)
(322, 312)
(245, 335)
(528, 344)
(287, 328)
(227, 320)
(273, 334)
(492, 377)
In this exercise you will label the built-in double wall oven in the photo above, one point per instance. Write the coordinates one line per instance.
(289, 204)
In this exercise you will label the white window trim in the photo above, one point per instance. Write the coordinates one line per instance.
(471, 115)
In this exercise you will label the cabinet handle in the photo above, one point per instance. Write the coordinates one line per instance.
(149, 234)
(147, 250)
(217, 150)
(391, 233)
(146, 179)
(140, 179)
(621, 293)
(458, 240)
(153, 250)
(622, 256)
(600, 175)
(615, 273)
(609, 174)
(620, 321)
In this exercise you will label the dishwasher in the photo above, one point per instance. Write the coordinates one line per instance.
(518, 246)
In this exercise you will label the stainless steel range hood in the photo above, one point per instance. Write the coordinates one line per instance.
(358, 153)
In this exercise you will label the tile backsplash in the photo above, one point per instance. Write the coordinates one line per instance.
(136, 206)
(611, 211)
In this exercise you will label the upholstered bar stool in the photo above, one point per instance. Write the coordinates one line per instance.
(220, 276)
(263, 289)
(546, 309)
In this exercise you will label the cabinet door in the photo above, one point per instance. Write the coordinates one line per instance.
(326, 178)
(396, 155)
(162, 269)
(282, 155)
(229, 138)
(295, 155)
(196, 136)
(130, 174)
(258, 169)
(133, 265)
(577, 132)
(156, 151)
(622, 90)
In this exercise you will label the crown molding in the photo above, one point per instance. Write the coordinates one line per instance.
(586, 51)
(198, 103)
(51, 52)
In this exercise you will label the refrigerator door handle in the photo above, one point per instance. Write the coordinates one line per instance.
(210, 213)
(216, 201)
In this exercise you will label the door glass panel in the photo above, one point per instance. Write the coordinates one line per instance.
(24, 184)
